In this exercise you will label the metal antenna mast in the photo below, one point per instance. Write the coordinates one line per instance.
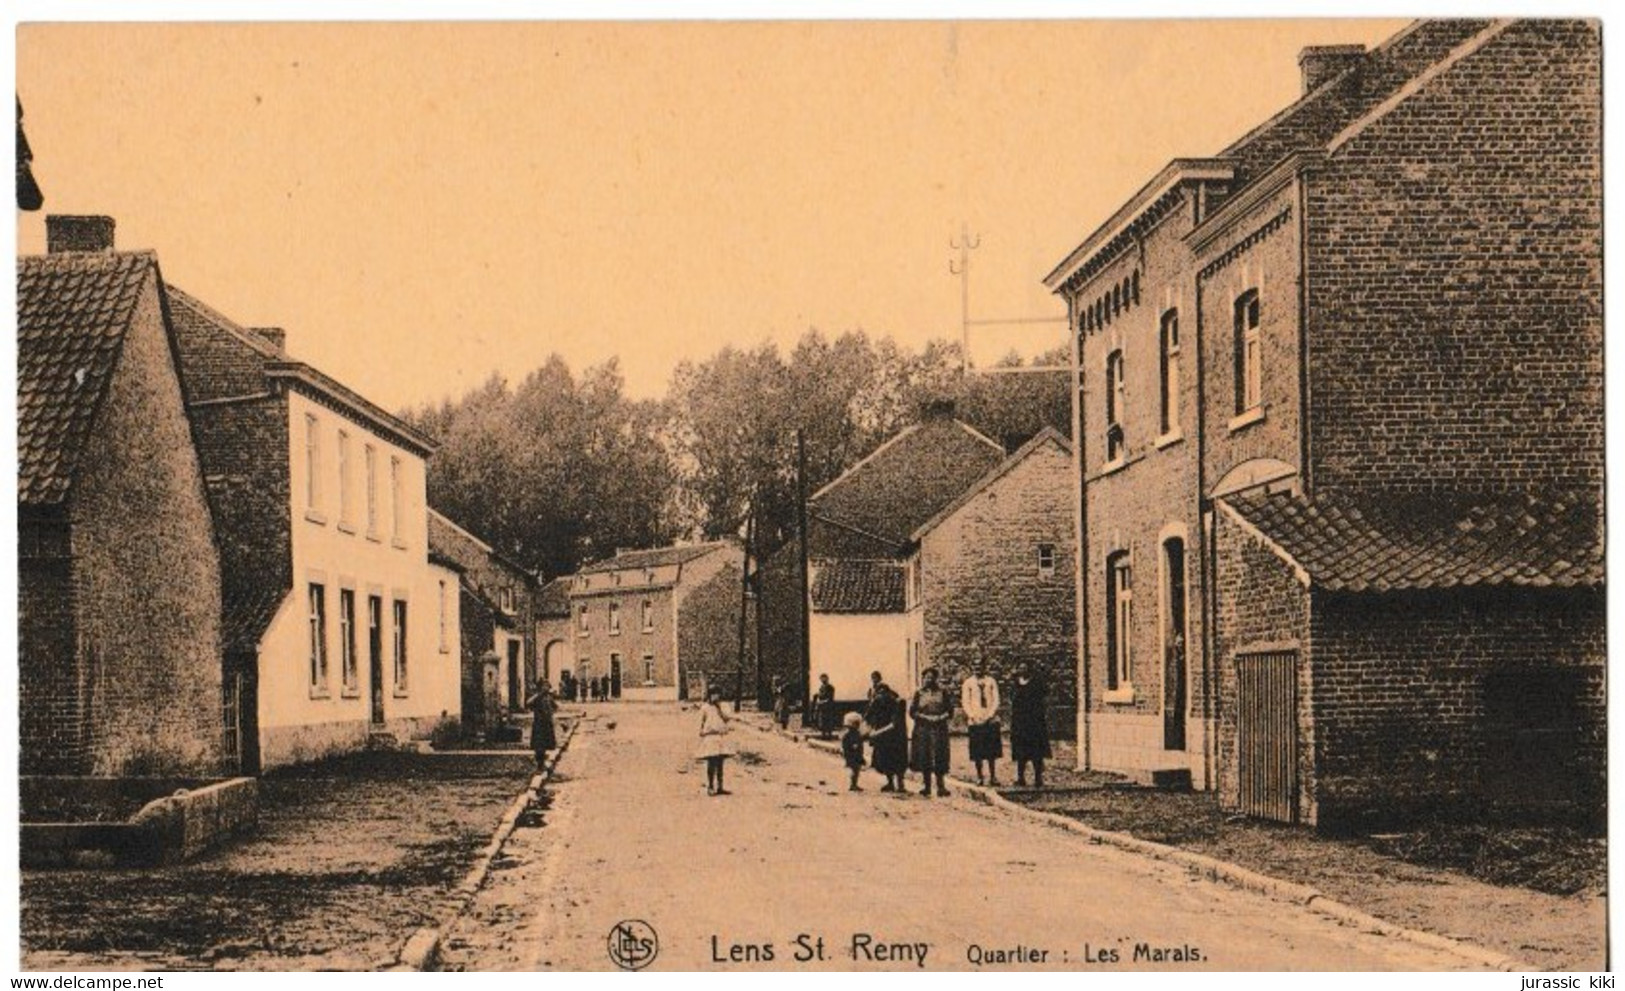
(964, 245)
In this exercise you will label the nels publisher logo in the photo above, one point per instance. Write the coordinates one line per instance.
(633, 944)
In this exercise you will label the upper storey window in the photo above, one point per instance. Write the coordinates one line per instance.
(1249, 355)
(1114, 406)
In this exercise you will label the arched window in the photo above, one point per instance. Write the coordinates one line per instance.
(1114, 406)
(1119, 622)
(1249, 353)
(1169, 373)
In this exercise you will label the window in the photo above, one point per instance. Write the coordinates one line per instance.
(318, 638)
(347, 662)
(614, 619)
(648, 616)
(1114, 406)
(400, 646)
(648, 669)
(1169, 342)
(344, 478)
(313, 463)
(1046, 560)
(444, 603)
(1249, 353)
(505, 598)
(372, 491)
(1119, 622)
(581, 619)
(615, 578)
(916, 575)
(396, 492)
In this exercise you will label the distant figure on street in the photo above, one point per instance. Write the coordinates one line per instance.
(979, 697)
(589, 692)
(603, 688)
(823, 707)
(567, 686)
(852, 748)
(930, 709)
(1029, 733)
(884, 717)
(543, 737)
(781, 703)
(714, 748)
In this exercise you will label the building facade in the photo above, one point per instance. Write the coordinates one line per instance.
(338, 627)
(119, 618)
(662, 623)
(1313, 371)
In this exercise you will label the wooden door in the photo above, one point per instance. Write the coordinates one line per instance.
(1267, 734)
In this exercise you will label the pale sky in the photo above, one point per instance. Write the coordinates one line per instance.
(419, 205)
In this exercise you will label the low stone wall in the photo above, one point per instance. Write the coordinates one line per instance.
(183, 818)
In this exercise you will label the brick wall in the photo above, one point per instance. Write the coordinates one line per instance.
(50, 729)
(475, 637)
(633, 641)
(1259, 604)
(1458, 703)
(708, 634)
(984, 594)
(147, 574)
(490, 574)
(782, 606)
(1455, 278)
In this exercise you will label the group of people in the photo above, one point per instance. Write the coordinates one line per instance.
(893, 754)
(584, 689)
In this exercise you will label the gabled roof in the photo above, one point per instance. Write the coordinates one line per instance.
(907, 480)
(1485, 542)
(73, 310)
(654, 558)
(1047, 436)
(854, 586)
(553, 602)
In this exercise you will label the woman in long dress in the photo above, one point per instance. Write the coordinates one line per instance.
(887, 735)
(713, 748)
(1029, 732)
(930, 709)
(543, 737)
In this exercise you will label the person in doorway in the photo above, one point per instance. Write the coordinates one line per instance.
(714, 748)
(1029, 732)
(888, 737)
(852, 748)
(543, 737)
(823, 707)
(979, 697)
(931, 709)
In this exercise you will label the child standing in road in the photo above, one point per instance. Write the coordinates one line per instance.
(852, 747)
(713, 749)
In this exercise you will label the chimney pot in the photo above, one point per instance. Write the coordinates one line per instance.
(276, 335)
(1321, 63)
(69, 232)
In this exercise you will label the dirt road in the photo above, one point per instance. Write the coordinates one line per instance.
(793, 871)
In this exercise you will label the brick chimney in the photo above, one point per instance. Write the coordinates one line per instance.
(276, 335)
(1323, 62)
(68, 232)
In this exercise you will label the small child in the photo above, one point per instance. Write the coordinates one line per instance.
(852, 747)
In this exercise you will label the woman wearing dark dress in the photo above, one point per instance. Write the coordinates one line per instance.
(823, 704)
(1029, 734)
(930, 709)
(887, 735)
(543, 738)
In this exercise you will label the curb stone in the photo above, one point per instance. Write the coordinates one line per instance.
(422, 950)
(1213, 869)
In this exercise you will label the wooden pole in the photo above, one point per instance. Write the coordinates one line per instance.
(806, 583)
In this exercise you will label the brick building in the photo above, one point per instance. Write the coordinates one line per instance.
(555, 637)
(497, 610)
(338, 626)
(661, 623)
(1316, 370)
(936, 549)
(119, 668)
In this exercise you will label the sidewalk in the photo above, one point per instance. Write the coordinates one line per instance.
(1552, 931)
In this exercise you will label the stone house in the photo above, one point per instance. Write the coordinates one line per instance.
(1317, 371)
(660, 623)
(497, 611)
(119, 624)
(555, 637)
(338, 628)
(937, 549)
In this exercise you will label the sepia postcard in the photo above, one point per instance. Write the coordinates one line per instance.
(816, 495)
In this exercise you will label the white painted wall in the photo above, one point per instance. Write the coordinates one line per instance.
(848, 646)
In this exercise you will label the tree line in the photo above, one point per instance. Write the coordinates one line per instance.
(562, 469)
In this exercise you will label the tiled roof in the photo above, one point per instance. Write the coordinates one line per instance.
(72, 312)
(554, 600)
(247, 611)
(906, 481)
(654, 558)
(858, 587)
(1554, 541)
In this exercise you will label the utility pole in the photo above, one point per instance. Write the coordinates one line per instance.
(744, 609)
(964, 245)
(806, 579)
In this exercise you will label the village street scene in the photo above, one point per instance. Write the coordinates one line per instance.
(818, 496)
